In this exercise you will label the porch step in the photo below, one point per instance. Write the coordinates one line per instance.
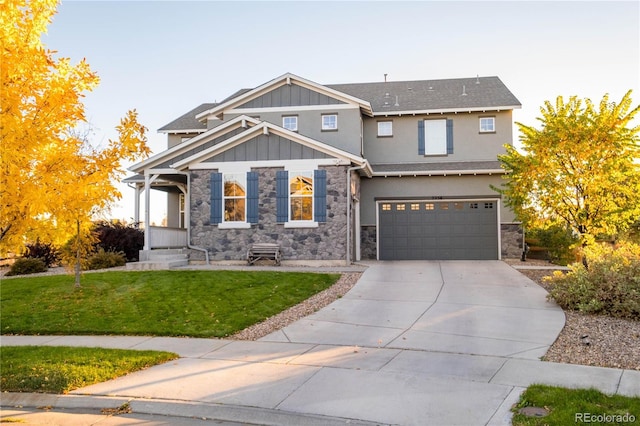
(160, 259)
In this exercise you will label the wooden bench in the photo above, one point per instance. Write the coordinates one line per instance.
(267, 251)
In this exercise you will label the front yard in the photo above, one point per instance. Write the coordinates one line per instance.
(152, 303)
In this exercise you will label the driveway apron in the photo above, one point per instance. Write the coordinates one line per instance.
(414, 342)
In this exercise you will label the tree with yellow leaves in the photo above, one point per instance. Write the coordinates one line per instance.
(580, 168)
(51, 181)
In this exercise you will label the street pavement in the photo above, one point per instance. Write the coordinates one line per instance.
(413, 343)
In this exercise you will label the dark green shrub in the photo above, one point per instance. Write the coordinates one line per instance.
(43, 251)
(26, 266)
(610, 285)
(105, 259)
(116, 237)
(557, 241)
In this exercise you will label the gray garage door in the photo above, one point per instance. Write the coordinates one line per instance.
(438, 230)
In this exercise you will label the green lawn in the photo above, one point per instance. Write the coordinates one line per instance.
(62, 369)
(157, 303)
(576, 406)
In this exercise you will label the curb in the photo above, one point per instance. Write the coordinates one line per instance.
(174, 408)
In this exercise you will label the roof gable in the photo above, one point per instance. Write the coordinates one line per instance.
(268, 142)
(259, 94)
(194, 145)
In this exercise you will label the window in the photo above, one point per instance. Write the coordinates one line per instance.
(330, 122)
(301, 195)
(386, 207)
(429, 206)
(415, 206)
(458, 206)
(435, 137)
(488, 205)
(234, 197)
(487, 124)
(444, 206)
(400, 207)
(473, 205)
(290, 122)
(385, 129)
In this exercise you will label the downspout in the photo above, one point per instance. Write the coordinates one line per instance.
(188, 220)
(349, 198)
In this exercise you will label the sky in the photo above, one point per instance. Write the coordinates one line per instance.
(164, 58)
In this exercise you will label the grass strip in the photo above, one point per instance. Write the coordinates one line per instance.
(61, 369)
(576, 406)
(152, 303)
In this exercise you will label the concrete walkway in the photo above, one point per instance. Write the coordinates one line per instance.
(413, 343)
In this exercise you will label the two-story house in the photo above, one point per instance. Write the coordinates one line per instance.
(339, 172)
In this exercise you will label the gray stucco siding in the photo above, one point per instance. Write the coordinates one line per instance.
(346, 138)
(290, 95)
(468, 143)
(426, 187)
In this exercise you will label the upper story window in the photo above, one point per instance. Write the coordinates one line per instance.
(290, 122)
(487, 124)
(385, 129)
(329, 121)
(301, 195)
(234, 193)
(435, 137)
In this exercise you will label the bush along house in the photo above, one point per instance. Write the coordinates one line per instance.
(336, 173)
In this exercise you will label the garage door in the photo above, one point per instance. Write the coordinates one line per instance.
(438, 230)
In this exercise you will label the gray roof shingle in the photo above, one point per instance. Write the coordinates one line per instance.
(398, 96)
(432, 95)
(421, 168)
(188, 120)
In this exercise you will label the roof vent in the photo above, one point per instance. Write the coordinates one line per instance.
(385, 77)
(477, 78)
(464, 90)
(386, 95)
(396, 104)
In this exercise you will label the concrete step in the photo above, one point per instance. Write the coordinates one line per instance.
(153, 265)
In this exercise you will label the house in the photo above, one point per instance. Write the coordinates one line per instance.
(339, 172)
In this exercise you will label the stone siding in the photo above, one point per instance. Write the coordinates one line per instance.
(512, 240)
(368, 242)
(326, 242)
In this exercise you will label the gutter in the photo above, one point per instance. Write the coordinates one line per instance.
(440, 173)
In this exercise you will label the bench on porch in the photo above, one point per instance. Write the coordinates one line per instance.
(267, 251)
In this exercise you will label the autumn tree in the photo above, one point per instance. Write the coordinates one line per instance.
(51, 180)
(580, 168)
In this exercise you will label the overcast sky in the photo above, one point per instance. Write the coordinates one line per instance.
(165, 58)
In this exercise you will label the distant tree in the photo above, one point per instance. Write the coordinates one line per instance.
(51, 179)
(580, 168)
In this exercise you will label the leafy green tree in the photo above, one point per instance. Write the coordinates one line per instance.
(580, 168)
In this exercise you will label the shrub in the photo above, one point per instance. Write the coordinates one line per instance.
(116, 237)
(43, 251)
(609, 285)
(558, 241)
(106, 259)
(25, 266)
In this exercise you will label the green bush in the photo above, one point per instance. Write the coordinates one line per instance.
(558, 241)
(609, 284)
(43, 251)
(26, 266)
(106, 259)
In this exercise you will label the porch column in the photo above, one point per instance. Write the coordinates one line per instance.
(147, 212)
(136, 211)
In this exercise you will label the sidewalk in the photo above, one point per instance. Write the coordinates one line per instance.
(444, 342)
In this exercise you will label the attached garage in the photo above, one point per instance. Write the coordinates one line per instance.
(438, 230)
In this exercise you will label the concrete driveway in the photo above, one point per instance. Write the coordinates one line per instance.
(413, 343)
(460, 307)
